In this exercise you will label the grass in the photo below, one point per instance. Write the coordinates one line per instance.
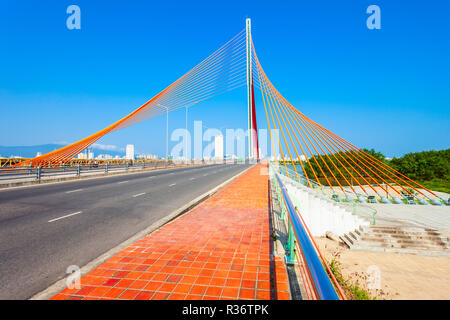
(352, 290)
(442, 185)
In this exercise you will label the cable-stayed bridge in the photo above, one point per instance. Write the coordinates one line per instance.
(221, 249)
(312, 154)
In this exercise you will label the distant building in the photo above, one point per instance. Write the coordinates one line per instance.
(82, 156)
(218, 147)
(129, 152)
(38, 154)
(91, 155)
(147, 156)
(104, 157)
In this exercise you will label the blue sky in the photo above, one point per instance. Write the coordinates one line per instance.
(388, 89)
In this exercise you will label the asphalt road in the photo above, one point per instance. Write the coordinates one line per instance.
(44, 229)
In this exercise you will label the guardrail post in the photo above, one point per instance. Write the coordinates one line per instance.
(126, 166)
(30, 169)
(290, 246)
(38, 173)
(78, 170)
(106, 168)
(64, 167)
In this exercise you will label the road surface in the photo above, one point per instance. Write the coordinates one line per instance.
(44, 229)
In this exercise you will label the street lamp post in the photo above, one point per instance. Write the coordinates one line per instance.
(167, 133)
(186, 136)
(186, 132)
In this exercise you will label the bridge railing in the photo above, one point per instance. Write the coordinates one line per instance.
(37, 173)
(302, 247)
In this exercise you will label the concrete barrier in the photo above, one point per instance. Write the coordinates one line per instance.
(321, 214)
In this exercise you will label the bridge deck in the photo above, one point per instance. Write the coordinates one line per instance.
(219, 250)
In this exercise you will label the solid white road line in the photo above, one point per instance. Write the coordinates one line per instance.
(172, 184)
(74, 190)
(123, 182)
(69, 215)
(192, 179)
(139, 194)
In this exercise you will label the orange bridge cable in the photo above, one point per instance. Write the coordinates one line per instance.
(206, 97)
(272, 109)
(349, 155)
(73, 151)
(367, 156)
(290, 137)
(215, 64)
(77, 151)
(304, 117)
(297, 125)
(59, 156)
(265, 109)
(185, 94)
(318, 164)
(318, 144)
(325, 142)
(213, 75)
(170, 106)
(190, 76)
(85, 146)
(333, 143)
(388, 168)
(207, 88)
(290, 106)
(109, 128)
(290, 121)
(282, 133)
(379, 168)
(274, 125)
(265, 93)
(292, 142)
(101, 132)
(325, 163)
(205, 91)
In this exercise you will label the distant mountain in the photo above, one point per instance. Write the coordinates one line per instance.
(30, 151)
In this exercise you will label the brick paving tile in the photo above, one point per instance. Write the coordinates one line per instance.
(219, 250)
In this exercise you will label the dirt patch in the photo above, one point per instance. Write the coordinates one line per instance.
(391, 275)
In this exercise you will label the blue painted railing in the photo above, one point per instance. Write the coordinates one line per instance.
(321, 282)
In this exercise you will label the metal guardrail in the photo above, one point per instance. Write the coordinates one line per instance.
(37, 173)
(322, 284)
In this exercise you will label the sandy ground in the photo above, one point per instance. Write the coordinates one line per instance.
(392, 275)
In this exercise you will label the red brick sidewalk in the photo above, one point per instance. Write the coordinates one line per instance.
(219, 250)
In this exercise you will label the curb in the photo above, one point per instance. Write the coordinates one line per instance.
(61, 284)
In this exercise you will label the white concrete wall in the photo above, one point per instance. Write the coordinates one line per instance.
(321, 214)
